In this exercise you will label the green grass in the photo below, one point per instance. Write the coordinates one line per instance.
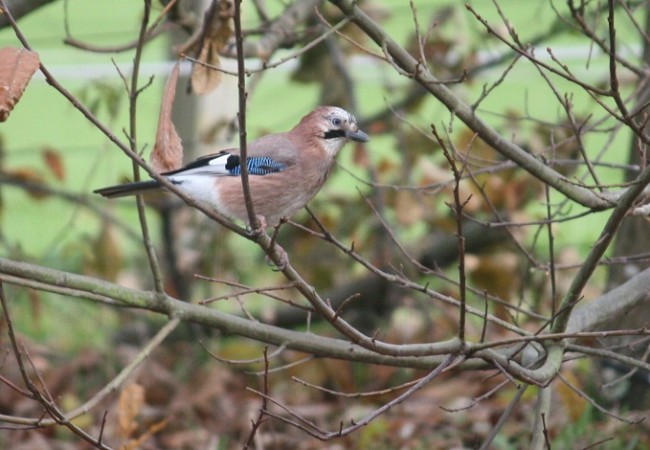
(58, 234)
(586, 432)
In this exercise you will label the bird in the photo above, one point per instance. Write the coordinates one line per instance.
(286, 170)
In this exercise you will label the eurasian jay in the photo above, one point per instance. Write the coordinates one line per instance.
(286, 169)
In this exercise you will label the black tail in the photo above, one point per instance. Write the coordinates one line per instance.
(122, 190)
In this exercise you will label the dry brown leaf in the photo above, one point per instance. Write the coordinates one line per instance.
(17, 65)
(573, 402)
(168, 152)
(360, 156)
(129, 405)
(409, 209)
(215, 35)
(493, 273)
(32, 178)
(107, 259)
(469, 143)
(205, 79)
(36, 312)
(54, 162)
(135, 444)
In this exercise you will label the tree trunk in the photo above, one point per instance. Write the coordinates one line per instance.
(633, 238)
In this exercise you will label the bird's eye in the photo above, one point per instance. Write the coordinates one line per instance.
(336, 122)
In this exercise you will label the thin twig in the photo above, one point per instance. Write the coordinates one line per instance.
(35, 394)
(134, 91)
(356, 394)
(245, 362)
(505, 415)
(551, 252)
(630, 373)
(271, 65)
(594, 403)
(241, 116)
(260, 417)
(111, 386)
(313, 430)
(283, 367)
(152, 31)
(457, 208)
(264, 290)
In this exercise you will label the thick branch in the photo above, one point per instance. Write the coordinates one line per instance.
(293, 16)
(634, 295)
(464, 112)
(98, 290)
(87, 287)
(597, 251)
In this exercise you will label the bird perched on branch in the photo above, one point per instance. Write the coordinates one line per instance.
(286, 169)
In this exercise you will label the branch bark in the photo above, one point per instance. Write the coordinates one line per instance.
(511, 358)
(20, 8)
(81, 286)
(626, 300)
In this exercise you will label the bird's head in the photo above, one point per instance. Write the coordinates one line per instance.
(333, 127)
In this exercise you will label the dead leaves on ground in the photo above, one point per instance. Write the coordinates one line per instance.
(130, 405)
(181, 399)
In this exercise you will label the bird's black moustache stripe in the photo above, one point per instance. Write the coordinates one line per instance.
(333, 134)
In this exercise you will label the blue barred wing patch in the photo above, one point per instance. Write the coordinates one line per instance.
(256, 166)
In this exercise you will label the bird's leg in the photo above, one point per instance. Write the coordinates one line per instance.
(283, 256)
(260, 229)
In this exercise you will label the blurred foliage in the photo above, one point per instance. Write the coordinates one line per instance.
(396, 188)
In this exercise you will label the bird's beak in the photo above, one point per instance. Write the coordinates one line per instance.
(358, 136)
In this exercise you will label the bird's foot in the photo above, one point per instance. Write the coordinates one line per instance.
(283, 259)
(260, 229)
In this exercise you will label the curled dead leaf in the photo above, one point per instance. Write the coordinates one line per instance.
(204, 78)
(17, 65)
(167, 153)
(216, 31)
